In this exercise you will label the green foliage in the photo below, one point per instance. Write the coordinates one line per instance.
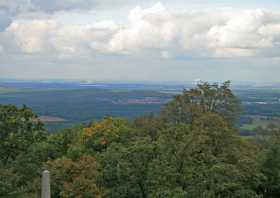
(204, 158)
(191, 150)
(204, 98)
(20, 131)
(19, 128)
(125, 169)
(149, 126)
(8, 181)
(271, 169)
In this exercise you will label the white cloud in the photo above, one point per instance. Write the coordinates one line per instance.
(212, 32)
(147, 28)
(83, 39)
(47, 36)
(223, 32)
(32, 36)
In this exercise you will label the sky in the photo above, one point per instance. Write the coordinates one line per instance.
(140, 40)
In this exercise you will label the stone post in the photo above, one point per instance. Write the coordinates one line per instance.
(46, 190)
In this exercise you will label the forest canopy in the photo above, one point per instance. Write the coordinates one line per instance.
(191, 149)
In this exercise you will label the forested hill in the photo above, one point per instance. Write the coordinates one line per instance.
(190, 149)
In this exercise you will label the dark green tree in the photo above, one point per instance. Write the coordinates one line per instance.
(19, 129)
(126, 169)
(206, 159)
(271, 170)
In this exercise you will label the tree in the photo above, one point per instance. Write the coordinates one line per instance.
(99, 135)
(126, 169)
(75, 178)
(8, 184)
(19, 129)
(149, 125)
(192, 149)
(205, 159)
(271, 170)
(268, 136)
(204, 98)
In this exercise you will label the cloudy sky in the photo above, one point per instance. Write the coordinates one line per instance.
(140, 40)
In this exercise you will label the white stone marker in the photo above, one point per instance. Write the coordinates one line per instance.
(46, 190)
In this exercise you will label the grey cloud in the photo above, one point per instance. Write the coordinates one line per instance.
(55, 5)
(45, 5)
(5, 19)
(9, 9)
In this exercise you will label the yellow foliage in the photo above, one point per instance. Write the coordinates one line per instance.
(102, 132)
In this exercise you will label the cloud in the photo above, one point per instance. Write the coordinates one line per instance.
(55, 5)
(221, 32)
(147, 28)
(81, 39)
(47, 36)
(5, 20)
(31, 36)
(46, 6)
(10, 9)
(13, 5)
(201, 33)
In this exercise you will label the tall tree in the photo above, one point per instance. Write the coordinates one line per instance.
(201, 99)
(205, 160)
